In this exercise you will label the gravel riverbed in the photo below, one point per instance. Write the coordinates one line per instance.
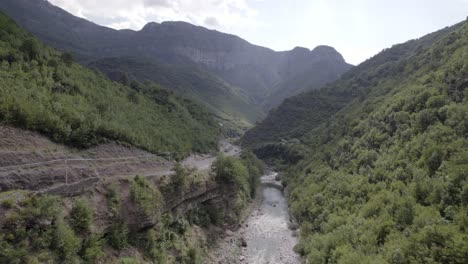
(265, 236)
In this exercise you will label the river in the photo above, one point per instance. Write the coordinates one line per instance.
(265, 233)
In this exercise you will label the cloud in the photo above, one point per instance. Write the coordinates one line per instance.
(157, 3)
(134, 14)
(211, 21)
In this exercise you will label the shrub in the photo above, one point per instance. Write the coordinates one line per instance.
(8, 203)
(81, 216)
(65, 242)
(231, 170)
(425, 118)
(129, 260)
(145, 196)
(436, 101)
(113, 197)
(117, 236)
(31, 49)
(92, 248)
(179, 180)
(67, 58)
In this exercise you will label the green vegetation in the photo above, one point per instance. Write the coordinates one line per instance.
(131, 218)
(113, 197)
(232, 108)
(81, 216)
(180, 180)
(43, 90)
(243, 174)
(8, 203)
(117, 235)
(36, 232)
(384, 179)
(145, 196)
(300, 115)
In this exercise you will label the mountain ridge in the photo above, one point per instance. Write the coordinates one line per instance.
(79, 107)
(376, 162)
(254, 69)
(303, 109)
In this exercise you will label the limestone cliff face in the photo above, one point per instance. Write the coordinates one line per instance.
(260, 73)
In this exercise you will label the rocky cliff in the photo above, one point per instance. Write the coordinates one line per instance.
(263, 75)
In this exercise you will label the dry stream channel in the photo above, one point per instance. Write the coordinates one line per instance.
(265, 236)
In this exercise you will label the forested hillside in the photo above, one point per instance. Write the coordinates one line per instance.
(261, 74)
(229, 104)
(44, 90)
(301, 114)
(376, 163)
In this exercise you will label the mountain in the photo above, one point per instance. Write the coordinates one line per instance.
(376, 162)
(227, 103)
(301, 114)
(315, 72)
(96, 194)
(44, 90)
(258, 72)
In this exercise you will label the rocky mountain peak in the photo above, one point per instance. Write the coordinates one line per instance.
(328, 52)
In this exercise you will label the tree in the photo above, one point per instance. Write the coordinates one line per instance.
(67, 58)
(118, 235)
(65, 242)
(81, 216)
(124, 79)
(31, 49)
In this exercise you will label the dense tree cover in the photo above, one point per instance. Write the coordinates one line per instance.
(36, 231)
(43, 90)
(229, 104)
(243, 173)
(385, 179)
(303, 113)
(256, 71)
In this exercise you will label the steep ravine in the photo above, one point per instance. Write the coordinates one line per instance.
(264, 237)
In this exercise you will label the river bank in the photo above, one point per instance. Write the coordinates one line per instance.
(264, 237)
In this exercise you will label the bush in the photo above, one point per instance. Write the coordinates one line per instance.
(81, 216)
(92, 248)
(117, 236)
(129, 260)
(8, 203)
(229, 170)
(255, 168)
(67, 58)
(436, 101)
(113, 197)
(65, 242)
(145, 196)
(31, 49)
(179, 181)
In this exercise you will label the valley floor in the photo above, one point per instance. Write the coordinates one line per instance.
(265, 236)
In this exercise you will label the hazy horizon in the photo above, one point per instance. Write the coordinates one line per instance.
(358, 29)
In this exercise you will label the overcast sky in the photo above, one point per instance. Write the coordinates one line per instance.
(358, 29)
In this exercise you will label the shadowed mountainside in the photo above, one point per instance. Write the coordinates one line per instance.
(376, 162)
(263, 76)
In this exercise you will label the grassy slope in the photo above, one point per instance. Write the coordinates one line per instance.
(40, 90)
(384, 180)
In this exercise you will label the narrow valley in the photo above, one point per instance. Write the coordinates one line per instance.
(152, 132)
(265, 235)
